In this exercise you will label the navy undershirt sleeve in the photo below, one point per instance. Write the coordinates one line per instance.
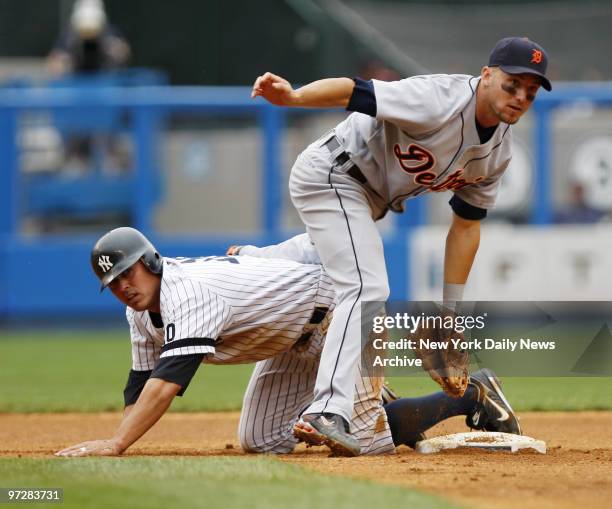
(465, 210)
(178, 369)
(363, 98)
(135, 383)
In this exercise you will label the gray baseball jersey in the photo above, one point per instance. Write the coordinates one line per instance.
(424, 138)
(405, 138)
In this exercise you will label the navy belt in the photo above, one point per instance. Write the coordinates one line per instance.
(342, 158)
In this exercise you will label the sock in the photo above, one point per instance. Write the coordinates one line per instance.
(408, 417)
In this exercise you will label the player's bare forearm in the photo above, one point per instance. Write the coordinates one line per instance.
(153, 402)
(462, 244)
(325, 93)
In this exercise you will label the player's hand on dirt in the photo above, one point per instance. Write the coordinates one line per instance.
(274, 89)
(91, 448)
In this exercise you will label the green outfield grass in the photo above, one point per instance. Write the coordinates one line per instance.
(86, 371)
(164, 483)
(526, 394)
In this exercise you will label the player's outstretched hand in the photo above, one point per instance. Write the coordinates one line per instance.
(274, 89)
(91, 448)
(233, 250)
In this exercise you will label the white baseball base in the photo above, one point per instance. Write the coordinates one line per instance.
(488, 440)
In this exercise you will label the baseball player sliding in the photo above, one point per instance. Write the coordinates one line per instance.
(422, 134)
(271, 306)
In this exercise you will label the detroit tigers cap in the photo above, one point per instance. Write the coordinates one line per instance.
(518, 55)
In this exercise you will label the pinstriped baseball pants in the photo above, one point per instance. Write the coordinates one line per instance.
(279, 390)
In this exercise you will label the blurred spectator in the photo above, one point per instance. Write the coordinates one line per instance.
(90, 43)
(90, 46)
(578, 211)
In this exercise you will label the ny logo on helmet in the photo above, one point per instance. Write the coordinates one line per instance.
(104, 263)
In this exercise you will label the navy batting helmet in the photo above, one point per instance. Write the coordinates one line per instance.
(118, 250)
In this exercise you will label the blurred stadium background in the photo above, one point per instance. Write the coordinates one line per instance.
(172, 144)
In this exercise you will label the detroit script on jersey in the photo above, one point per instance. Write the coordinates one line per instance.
(424, 139)
(418, 161)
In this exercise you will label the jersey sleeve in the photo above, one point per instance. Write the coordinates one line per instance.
(420, 104)
(145, 350)
(194, 317)
(484, 194)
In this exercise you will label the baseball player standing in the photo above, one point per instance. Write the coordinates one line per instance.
(272, 308)
(422, 134)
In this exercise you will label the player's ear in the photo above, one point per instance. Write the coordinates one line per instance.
(486, 74)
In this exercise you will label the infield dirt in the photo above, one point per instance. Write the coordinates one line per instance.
(574, 473)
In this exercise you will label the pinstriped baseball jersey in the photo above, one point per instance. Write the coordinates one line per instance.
(147, 340)
(424, 138)
(234, 310)
(274, 293)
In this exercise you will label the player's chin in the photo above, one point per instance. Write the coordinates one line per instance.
(511, 116)
(138, 304)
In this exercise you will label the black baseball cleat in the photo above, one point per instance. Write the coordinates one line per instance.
(493, 412)
(327, 429)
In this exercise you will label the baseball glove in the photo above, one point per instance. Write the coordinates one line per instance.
(448, 367)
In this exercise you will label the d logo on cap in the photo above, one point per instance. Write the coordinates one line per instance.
(536, 57)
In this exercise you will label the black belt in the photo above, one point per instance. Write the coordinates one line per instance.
(342, 158)
(318, 314)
